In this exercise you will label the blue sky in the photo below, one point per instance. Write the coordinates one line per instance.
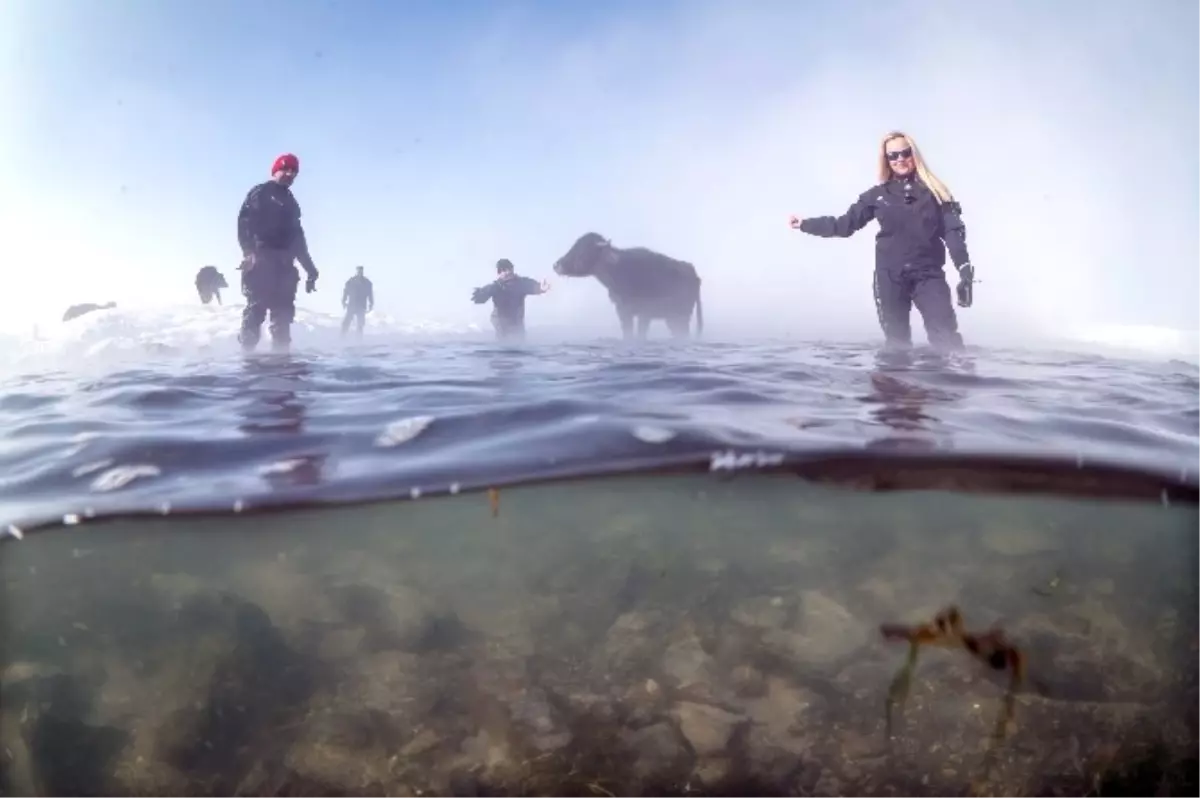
(436, 137)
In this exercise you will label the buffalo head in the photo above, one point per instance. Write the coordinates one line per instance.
(584, 257)
(211, 278)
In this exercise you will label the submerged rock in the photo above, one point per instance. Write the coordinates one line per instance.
(706, 727)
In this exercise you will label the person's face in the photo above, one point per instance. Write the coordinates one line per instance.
(507, 274)
(359, 271)
(900, 156)
(286, 177)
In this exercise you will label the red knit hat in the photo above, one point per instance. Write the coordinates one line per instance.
(286, 161)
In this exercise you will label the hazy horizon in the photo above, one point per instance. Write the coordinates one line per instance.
(435, 138)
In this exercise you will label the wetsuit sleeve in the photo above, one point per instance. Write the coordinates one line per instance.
(532, 287)
(483, 293)
(346, 292)
(247, 220)
(300, 250)
(844, 226)
(954, 233)
(370, 294)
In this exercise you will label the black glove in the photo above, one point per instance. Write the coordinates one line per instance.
(965, 289)
(477, 296)
(310, 285)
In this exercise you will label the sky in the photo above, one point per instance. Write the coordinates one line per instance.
(437, 136)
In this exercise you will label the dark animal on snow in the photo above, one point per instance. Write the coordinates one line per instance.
(75, 311)
(643, 285)
(209, 283)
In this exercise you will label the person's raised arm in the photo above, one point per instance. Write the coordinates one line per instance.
(483, 293)
(534, 288)
(844, 226)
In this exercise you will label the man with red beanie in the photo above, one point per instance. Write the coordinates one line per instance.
(271, 238)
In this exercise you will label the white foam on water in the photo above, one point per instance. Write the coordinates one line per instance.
(195, 329)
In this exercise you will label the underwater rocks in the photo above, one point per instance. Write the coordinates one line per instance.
(634, 667)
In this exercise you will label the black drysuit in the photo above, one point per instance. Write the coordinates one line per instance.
(915, 230)
(358, 297)
(269, 229)
(508, 303)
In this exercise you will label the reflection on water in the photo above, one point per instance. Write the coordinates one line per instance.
(680, 635)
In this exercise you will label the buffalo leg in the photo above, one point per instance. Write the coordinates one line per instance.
(679, 325)
(626, 317)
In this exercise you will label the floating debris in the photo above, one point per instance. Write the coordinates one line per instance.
(494, 501)
(402, 431)
(15, 531)
(88, 468)
(652, 434)
(282, 466)
(119, 477)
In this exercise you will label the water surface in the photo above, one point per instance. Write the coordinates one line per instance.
(167, 434)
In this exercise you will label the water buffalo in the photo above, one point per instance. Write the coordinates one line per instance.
(75, 311)
(643, 285)
(209, 283)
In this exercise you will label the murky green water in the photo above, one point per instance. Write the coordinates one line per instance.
(668, 635)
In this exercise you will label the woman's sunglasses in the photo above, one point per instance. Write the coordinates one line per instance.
(898, 154)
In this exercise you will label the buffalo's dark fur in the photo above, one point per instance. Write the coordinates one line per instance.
(643, 285)
(209, 283)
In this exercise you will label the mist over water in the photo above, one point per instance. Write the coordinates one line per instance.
(631, 125)
(705, 158)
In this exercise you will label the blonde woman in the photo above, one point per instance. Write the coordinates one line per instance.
(918, 221)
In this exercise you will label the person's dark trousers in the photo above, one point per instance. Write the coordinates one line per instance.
(896, 291)
(270, 289)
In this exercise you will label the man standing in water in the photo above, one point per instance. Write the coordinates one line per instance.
(271, 238)
(508, 294)
(358, 298)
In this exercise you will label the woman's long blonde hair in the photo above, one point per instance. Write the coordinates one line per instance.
(939, 189)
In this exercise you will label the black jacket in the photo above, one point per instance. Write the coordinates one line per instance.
(358, 293)
(508, 296)
(915, 230)
(270, 219)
